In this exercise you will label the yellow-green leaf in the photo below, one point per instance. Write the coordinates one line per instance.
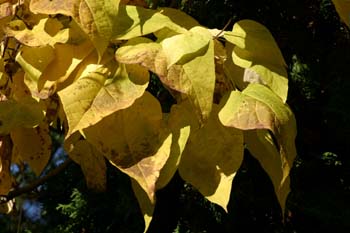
(255, 49)
(101, 91)
(92, 164)
(137, 21)
(33, 146)
(211, 159)
(261, 146)
(257, 107)
(96, 17)
(343, 9)
(26, 113)
(184, 47)
(47, 32)
(133, 141)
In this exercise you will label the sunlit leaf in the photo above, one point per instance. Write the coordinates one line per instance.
(211, 159)
(277, 166)
(133, 141)
(5, 162)
(184, 47)
(33, 146)
(97, 18)
(257, 50)
(47, 32)
(101, 91)
(92, 164)
(137, 21)
(257, 107)
(343, 9)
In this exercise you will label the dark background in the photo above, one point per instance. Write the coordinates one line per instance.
(316, 47)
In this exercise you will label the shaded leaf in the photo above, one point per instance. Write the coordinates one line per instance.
(261, 146)
(257, 50)
(343, 9)
(146, 206)
(133, 141)
(101, 91)
(5, 163)
(211, 159)
(26, 113)
(92, 164)
(33, 146)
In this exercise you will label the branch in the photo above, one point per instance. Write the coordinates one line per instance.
(17, 192)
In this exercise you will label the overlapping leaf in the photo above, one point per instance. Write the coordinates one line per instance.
(47, 32)
(101, 91)
(96, 17)
(33, 146)
(26, 113)
(257, 107)
(133, 141)
(257, 51)
(92, 164)
(211, 159)
(261, 146)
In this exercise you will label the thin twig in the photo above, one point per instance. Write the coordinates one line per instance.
(17, 192)
(222, 30)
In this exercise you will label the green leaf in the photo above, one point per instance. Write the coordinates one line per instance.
(211, 159)
(256, 50)
(261, 145)
(101, 91)
(38, 154)
(26, 113)
(132, 139)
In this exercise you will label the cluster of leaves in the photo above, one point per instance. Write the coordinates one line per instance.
(83, 67)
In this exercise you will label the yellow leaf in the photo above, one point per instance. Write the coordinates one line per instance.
(65, 62)
(34, 60)
(47, 32)
(179, 17)
(343, 9)
(146, 206)
(211, 159)
(26, 113)
(33, 145)
(101, 91)
(133, 141)
(261, 146)
(92, 164)
(184, 47)
(96, 17)
(137, 21)
(179, 124)
(256, 49)
(5, 162)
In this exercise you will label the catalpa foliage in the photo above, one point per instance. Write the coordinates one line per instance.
(87, 64)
